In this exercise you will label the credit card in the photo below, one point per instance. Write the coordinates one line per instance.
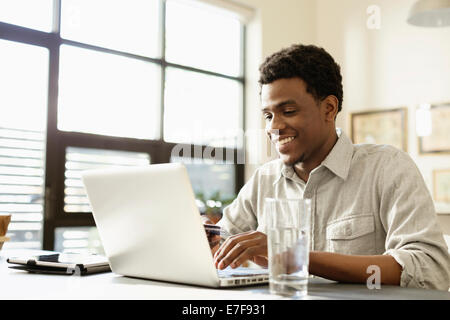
(216, 230)
(212, 229)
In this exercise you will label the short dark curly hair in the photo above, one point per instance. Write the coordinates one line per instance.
(310, 63)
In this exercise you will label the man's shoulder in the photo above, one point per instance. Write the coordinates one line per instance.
(378, 152)
(383, 159)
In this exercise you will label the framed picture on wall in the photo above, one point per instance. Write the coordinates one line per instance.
(441, 185)
(439, 139)
(380, 127)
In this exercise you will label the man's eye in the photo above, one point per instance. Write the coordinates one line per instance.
(267, 116)
(289, 112)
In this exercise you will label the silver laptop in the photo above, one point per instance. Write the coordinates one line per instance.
(150, 227)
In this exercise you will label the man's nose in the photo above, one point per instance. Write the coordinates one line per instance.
(275, 125)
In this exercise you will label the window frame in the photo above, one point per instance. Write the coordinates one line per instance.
(57, 141)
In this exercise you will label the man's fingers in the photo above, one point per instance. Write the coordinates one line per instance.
(231, 241)
(206, 219)
(215, 248)
(238, 249)
(261, 260)
(229, 244)
(226, 259)
(249, 254)
(223, 251)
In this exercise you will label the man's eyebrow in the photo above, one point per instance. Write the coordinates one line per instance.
(279, 105)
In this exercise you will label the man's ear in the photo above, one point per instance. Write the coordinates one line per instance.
(330, 105)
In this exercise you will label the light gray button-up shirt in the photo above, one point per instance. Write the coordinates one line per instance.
(365, 200)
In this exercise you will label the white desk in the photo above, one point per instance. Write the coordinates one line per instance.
(20, 285)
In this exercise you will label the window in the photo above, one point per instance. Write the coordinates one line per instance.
(78, 240)
(24, 68)
(80, 159)
(201, 99)
(210, 177)
(108, 94)
(189, 42)
(127, 26)
(84, 91)
(34, 14)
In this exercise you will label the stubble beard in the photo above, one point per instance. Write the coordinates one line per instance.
(296, 161)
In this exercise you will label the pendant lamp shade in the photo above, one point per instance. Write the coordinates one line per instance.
(430, 13)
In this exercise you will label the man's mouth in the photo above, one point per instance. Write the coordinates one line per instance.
(283, 144)
(285, 140)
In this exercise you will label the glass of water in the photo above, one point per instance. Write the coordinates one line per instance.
(288, 231)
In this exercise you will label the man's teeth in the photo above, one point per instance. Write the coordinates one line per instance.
(286, 140)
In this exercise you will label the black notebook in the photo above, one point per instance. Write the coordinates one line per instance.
(61, 263)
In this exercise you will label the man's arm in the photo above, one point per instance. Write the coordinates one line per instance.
(413, 235)
(353, 268)
(334, 266)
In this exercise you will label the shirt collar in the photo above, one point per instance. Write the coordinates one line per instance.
(337, 161)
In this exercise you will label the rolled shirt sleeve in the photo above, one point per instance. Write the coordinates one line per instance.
(413, 236)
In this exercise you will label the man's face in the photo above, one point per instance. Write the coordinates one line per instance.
(295, 121)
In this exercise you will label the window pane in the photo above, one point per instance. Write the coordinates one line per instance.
(107, 94)
(23, 106)
(202, 109)
(22, 185)
(24, 84)
(33, 14)
(131, 26)
(80, 159)
(78, 240)
(213, 183)
(210, 177)
(202, 37)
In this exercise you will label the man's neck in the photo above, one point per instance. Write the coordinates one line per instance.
(303, 169)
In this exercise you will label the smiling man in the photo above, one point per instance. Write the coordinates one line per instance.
(370, 205)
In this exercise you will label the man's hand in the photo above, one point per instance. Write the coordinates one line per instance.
(206, 219)
(237, 249)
